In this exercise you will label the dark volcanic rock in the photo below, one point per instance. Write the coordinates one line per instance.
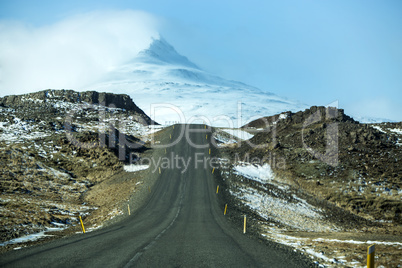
(111, 100)
(314, 114)
(56, 147)
(350, 159)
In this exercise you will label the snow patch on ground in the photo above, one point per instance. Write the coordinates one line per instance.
(36, 236)
(114, 213)
(297, 243)
(261, 174)
(360, 242)
(310, 246)
(398, 143)
(271, 199)
(134, 168)
(305, 245)
(298, 215)
(57, 173)
(100, 119)
(19, 130)
(396, 130)
(378, 128)
(223, 139)
(238, 133)
(282, 116)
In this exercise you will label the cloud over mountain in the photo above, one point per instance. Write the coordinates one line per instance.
(70, 53)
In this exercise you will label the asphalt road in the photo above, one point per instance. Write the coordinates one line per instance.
(181, 225)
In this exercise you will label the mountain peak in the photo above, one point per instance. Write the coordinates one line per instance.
(159, 74)
(161, 52)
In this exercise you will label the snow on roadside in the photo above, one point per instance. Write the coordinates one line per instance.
(134, 168)
(297, 215)
(327, 252)
(359, 242)
(24, 239)
(114, 213)
(36, 236)
(223, 138)
(276, 202)
(302, 244)
(238, 133)
(261, 174)
(154, 128)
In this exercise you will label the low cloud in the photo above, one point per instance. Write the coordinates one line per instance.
(380, 108)
(71, 53)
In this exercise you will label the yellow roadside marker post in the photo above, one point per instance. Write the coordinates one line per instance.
(213, 170)
(209, 151)
(370, 256)
(159, 170)
(128, 209)
(82, 225)
(244, 227)
(206, 136)
(226, 207)
(170, 136)
(217, 189)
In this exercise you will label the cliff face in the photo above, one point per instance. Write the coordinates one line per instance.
(111, 100)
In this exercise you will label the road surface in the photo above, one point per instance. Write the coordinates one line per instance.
(181, 225)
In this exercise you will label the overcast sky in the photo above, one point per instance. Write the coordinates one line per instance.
(316, 52)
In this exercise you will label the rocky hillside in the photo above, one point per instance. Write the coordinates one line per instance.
(50, 99)
(355, 166)
(56, 145)
(317, 181)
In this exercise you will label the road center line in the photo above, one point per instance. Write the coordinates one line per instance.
(138, 255)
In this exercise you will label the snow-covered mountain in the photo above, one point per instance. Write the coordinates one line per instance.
(170, 88)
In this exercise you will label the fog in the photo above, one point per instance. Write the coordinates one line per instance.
(71, 53)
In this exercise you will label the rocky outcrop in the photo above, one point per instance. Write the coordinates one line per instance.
(55, 147)
(365, 176)
(314, 113)
(111, 100)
